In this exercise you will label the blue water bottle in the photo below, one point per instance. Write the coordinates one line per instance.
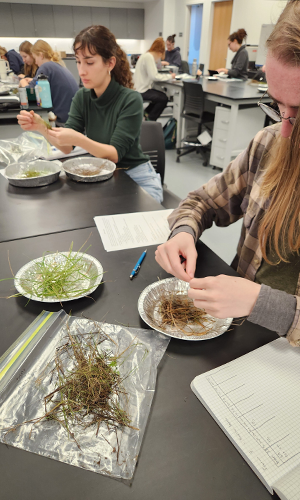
(44, 91)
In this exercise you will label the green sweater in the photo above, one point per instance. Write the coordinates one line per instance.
(114, 118)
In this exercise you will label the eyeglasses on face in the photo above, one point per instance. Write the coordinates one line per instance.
(272, 113)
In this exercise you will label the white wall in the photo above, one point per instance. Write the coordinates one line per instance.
(250, 15)
(247, 14)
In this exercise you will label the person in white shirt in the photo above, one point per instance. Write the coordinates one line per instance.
(146, 73)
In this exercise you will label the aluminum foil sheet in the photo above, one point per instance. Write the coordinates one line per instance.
(75, 167)
(112, 453)
(91, 269)
(153, 293)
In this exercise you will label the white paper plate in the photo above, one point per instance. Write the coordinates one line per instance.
(153, 292)
(91, 269)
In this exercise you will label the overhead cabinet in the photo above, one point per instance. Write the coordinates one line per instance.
(100, 16)
(64, 21)
(22, 19)
(43, 20)
(6, 20)
(82, 17)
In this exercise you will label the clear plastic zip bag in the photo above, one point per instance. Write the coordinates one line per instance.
(27, 375)
(27, 147)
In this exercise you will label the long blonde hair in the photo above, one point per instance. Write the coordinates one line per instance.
(42, 47)
(3, 51)
(281, 180)
(29, 69)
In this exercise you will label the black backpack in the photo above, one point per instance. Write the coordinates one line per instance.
(170, 133)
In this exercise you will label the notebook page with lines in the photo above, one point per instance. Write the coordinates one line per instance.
(288, 486)
(255, 400)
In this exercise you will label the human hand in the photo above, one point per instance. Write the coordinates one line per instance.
(168, 256)
(173, 75)
(29, 120)
(224, 296)
(24, 82)
(223, 70)
(199, 72)
(20, 76)
(164, 63)
(64, 136)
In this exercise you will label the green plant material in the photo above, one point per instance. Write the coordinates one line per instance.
(32, 173)
(62, 276)
(89, 389)
(89, 394)
(47, 124)
(176, 310)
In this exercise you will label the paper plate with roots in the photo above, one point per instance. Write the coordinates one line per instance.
(166, 307)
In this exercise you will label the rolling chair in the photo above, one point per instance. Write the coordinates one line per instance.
(193, 111)
(153, 144)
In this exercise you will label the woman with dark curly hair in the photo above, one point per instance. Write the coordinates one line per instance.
(107, 109)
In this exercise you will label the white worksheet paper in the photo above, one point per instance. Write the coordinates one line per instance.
(140, 229)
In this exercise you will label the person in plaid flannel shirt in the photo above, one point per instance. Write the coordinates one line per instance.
(262, 186)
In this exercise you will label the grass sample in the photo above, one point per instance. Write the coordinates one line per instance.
(90, 393)
(32, 173)
(173, 309)
(89, 389)
(60, 275)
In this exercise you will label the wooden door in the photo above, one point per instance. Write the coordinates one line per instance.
(220, 33)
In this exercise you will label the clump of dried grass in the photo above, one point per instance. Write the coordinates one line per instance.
(169, 309)
(89, 388)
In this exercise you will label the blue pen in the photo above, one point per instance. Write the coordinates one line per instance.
(137, 267)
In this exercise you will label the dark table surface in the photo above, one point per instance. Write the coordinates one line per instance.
(184, 455)
(232, 90)
(66, 205)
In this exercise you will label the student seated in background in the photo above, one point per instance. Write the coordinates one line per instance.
(30, 67)
(14, 59)
(63, 85)
(146, 74)
(172, 55)
(262, 186)
(239, 64)
(107, 110)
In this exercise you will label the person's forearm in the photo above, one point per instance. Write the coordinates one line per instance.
(97, 149)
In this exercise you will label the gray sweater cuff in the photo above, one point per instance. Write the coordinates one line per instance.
(274, 310)
(183, 229)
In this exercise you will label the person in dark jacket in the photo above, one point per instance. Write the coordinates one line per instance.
(63, 85)
(14, 59)
(172, 55)
(239, 64)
